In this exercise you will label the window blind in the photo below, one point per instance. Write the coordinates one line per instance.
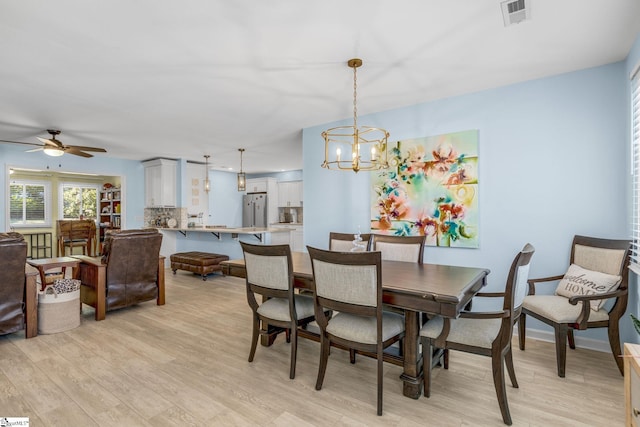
(28, 204)
(635, 143)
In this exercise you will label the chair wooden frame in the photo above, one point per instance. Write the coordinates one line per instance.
(564, 331)
(399, 240)
(322, 304)
(500, 351)
(289, 327)
(93, 275)
(76, 233)
(349, 237)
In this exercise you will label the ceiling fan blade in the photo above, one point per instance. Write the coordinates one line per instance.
(80, 147)
(34, 149)
(52, 142)
(18, 142)
(77, 152)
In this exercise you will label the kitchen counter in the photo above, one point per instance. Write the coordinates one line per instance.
(217, 231)
(225, 242)
(238, 230)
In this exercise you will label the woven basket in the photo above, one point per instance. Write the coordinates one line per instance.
(58, 312)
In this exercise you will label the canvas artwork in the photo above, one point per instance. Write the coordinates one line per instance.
(431, 189)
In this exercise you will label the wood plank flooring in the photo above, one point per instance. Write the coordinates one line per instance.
(185, 364)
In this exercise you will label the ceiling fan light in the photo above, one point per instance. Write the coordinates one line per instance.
(53, 152)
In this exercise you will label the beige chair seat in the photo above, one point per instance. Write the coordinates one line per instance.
(474, 332)
(363, 329)
(558, 309)
(278, 308)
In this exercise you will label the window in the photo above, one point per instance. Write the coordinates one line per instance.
(635, 143)
(29, 204)
(77, 200)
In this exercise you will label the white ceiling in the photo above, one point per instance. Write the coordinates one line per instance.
(182, 79)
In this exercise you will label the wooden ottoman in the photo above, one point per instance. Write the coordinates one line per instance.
(201, 263)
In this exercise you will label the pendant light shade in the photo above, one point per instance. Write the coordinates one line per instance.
(242, 179)
(207, 183)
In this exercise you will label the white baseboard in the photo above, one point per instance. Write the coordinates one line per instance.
(586, 343)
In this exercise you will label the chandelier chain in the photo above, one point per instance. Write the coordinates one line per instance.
(355, 96)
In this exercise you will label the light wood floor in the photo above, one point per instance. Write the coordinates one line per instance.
(185, 364)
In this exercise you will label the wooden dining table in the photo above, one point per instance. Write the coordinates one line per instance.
(428, 288)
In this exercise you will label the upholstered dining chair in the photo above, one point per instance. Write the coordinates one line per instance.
(270, 274)
(343, 242)
(17, 287)
(483, 333)
(594, 263)
(131, 271)
(351, 284)
(399, 248)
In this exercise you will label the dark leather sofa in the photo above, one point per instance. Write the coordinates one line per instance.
(17, 287)
(130, 271)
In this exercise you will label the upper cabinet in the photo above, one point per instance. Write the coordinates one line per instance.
(290, 194)
(160, 177)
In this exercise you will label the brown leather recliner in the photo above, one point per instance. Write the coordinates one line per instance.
(131, 271)
(17, 287)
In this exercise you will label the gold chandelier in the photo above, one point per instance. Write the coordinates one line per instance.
(354, 148)
(242, 178)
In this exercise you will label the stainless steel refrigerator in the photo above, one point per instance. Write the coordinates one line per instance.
(254, 210)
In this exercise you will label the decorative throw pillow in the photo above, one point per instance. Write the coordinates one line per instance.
(580, 281)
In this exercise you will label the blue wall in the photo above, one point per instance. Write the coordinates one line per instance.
(553, 163)
(131, 171)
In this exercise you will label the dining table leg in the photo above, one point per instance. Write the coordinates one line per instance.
(411, 377)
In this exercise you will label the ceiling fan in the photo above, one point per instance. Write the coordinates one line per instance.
(55, 147)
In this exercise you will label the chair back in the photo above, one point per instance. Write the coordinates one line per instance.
(132, 258)
(606, 256)
(517, 286)
(347, 282)
(343, 242)
(603, 255)
(516, 289)
(399, 248)
(269, 271)
(76, 230)
(13, 253)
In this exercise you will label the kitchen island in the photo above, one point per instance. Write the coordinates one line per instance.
(217, 239)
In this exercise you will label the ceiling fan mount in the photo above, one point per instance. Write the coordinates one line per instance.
(55, 147)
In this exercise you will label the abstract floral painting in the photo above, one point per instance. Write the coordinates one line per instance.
(431, 189)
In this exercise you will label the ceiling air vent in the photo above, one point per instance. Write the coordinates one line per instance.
(515, 11)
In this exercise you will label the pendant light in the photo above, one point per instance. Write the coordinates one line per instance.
(207, 183)
(242, 179)
(354, 148)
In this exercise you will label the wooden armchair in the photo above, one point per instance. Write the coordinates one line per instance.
(131, 271)
(17, 287)
(483, 333)
(564, 314)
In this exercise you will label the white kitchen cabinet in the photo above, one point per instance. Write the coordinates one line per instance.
(160, 177)
(297, 240)
(257, 185)
(290, 194)
(296, 237)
